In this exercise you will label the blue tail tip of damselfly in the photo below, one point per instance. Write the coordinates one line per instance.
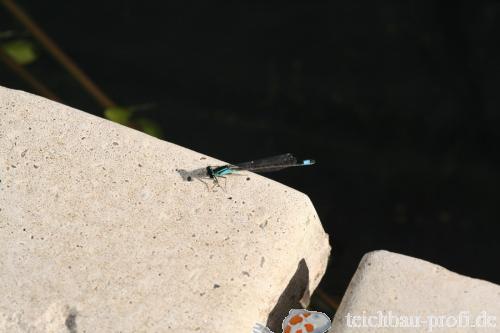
(308, 162)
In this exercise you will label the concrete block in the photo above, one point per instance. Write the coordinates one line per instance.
(405, 294)
(99, 232)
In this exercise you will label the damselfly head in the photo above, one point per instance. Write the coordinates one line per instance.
(210, 172)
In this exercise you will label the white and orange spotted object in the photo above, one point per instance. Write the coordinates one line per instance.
(301, 321)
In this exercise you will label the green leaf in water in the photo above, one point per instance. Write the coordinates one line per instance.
(150, 127)
(118, 114)
(21, 51)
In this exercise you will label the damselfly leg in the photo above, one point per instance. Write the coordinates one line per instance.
(216, 182)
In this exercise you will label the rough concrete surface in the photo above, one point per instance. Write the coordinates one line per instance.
(99, 232)
(389, 283)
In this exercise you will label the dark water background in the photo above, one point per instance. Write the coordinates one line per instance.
(398, 101)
